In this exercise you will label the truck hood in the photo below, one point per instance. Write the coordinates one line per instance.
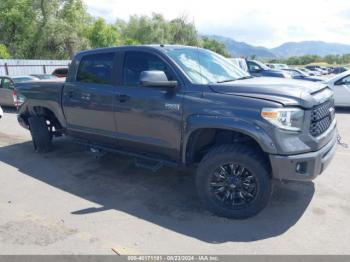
(288, 92)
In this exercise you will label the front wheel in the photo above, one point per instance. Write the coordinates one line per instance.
(233, 181)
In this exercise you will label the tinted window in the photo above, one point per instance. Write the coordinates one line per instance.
(136, 62)
(96, 69)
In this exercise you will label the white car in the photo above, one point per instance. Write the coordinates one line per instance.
(341, 87)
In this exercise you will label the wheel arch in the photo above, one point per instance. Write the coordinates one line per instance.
(199, 128)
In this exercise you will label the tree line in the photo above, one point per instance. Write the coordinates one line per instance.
(56, 29)
(308, 59)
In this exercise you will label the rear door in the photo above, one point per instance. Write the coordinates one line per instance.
(88, 99)
(148, 118)
(6, 91)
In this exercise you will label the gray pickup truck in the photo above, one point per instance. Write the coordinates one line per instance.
(187, 106)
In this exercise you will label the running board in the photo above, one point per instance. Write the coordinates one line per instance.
(141, 160)
(152, 165)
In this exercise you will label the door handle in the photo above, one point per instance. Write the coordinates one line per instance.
(123, 98)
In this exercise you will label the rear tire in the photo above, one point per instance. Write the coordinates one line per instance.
(40, 134)
(233, 181)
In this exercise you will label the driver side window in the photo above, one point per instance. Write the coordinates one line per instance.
(137, 62)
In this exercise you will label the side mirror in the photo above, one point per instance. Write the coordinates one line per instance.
(156, 78)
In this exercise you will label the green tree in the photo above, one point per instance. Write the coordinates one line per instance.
(61, 29)
(17, 25)
(215, 46)
(147, 30)
(183, 32)
(102, 34)
(4, 53)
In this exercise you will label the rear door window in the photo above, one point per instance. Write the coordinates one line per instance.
(96, 68)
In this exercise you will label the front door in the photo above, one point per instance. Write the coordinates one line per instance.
(88, 100)
(148, 118)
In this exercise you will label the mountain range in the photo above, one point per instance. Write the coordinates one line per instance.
(242, 49)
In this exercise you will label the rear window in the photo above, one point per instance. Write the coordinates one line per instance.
(96, 68)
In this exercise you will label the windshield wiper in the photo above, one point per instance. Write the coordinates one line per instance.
(245, 77)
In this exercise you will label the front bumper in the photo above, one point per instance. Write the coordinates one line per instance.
(303, 166)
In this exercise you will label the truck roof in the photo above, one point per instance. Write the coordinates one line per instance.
(159, 47)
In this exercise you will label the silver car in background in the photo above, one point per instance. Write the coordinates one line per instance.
(7, 85)
(341, 87)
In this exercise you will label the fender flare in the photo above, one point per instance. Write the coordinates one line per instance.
(196, 122)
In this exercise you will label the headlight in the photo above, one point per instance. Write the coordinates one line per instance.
(285, 118)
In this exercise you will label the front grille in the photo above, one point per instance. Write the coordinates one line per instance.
(321, 118)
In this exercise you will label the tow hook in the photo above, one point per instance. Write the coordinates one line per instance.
(339, 142)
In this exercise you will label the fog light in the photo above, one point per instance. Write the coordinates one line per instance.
(301, 167)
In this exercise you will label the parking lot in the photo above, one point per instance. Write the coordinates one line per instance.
(70, 202)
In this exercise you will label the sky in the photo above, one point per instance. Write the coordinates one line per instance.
(266, 23)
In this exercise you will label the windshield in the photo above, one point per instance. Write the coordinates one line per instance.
(206, 67)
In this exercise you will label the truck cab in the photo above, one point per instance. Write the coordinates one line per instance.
(186, 106)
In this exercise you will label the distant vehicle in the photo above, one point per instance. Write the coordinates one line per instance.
(316, 68)
(1, 112)
(324, 70)
(340, 69)
(44, 76)
(307, 71)
(257, 68)
(6, 91)
(278, 66)
(341, 88)
(314, 71)
(300, 75)
(240, 62)
(7, 85)
(60, 72)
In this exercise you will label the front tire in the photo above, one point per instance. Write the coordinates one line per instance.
(40, 134)
(233, 181)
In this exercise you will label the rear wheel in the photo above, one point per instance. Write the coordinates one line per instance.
(233, 181)
(41, 135)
